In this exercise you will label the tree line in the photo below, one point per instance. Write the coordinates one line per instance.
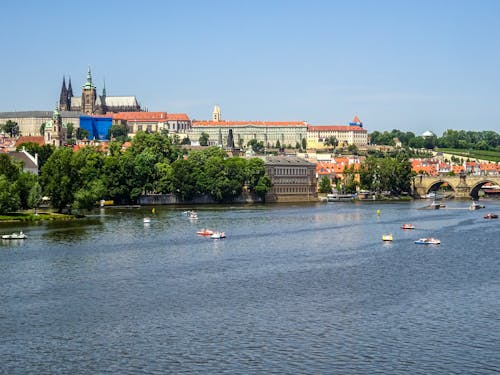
(459, 139)
(391, 174)
(152, 164)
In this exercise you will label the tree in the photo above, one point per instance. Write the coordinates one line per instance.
(82, 133)
(203, 139)
(257, 146)
(12, 128)
(304, 144)
(9, 198)
(58, 178)
(35, 197)
(325, 185)
(118, 132)
(69, 130)
(331, 142)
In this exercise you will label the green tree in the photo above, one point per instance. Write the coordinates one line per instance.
(118, 132)
(24, 184)
(9, 197)
(70, 130)
(57, 178)
(257, 146)
(263, 186)
(35, 197)
(331, 142)
(9, 168)
(325, 185)
(82, 133)
(11, 128)
(43, 151)
(203, 139)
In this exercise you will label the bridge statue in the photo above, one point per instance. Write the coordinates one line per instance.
(462, 185)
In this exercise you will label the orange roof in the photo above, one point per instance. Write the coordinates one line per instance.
(35, 139)
(340, 128)
(140, 116)
(177, 117)
(243, 123)
(356, 120)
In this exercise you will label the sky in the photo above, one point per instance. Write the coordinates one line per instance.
(408, 65)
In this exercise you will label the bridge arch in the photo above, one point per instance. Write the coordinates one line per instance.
(474, 191)
(435, 185)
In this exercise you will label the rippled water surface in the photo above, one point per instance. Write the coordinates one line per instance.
(296, 289)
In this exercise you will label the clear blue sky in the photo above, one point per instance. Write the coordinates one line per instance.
(410, 65)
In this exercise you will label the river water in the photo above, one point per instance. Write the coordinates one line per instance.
(293, 289)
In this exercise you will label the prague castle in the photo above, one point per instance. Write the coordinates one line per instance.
(92, 104)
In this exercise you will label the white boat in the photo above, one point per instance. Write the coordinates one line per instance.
(428, 241)
(147, 220)
(387, 237)
(218, 235)
(475, 206)
(14, 236)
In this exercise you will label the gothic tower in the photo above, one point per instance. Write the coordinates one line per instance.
(89, 96)
(63, 97)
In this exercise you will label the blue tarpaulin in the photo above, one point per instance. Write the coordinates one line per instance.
(98, 127)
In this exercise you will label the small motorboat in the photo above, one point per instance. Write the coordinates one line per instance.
(407, 226)
(387, 237)
(475, 206)
(205, 232)
(428, 241)
(491, 216)
(147, 220)
(218, 235)
(14, 236)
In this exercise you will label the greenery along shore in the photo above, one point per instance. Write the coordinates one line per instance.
(152, 164)
(159, 163)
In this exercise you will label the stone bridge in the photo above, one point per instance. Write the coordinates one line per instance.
(463, 186)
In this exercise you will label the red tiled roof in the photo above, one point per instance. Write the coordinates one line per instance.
(177, 117)
(340, 128)
(35, 139)
(356, 120)
(140, 116)
(243, 123)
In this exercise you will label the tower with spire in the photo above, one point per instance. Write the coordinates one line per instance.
(216, 114)
(65, 96)
(55, 132)
(89, 95)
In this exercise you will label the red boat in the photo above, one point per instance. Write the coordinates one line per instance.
(407, 226)
(491, 216)
(205, 232)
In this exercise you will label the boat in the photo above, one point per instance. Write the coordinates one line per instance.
(407, 226)
(387, 237)
(428, 241)
(336, 197)
(205, 232)
(475, 206)
(193, 215)
(218, 235)
(491, 216)
(147, 220)
(14, 236)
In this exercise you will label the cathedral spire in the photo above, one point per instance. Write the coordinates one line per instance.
(88, 84)
(64, 93)
(70, 89)
(104, 87)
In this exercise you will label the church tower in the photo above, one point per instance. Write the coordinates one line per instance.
(55, 130)
(216, 114)
(63, 97)
(89, 96)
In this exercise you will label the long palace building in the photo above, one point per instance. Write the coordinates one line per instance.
(274, 133)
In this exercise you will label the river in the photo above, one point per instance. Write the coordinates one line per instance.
(293, 289)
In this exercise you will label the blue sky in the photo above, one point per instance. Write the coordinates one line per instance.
(408, 65)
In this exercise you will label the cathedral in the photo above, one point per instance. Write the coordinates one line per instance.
(92, 104)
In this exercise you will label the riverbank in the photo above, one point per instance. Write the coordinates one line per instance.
(31, 216)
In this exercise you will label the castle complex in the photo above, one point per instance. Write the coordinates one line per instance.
(92, 104)
(92, 111)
